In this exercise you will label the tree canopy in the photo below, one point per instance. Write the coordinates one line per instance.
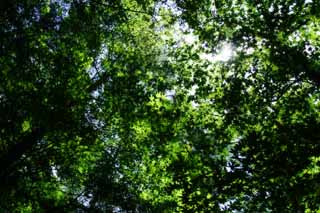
(125, 106)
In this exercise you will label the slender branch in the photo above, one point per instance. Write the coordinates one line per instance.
(284, 90)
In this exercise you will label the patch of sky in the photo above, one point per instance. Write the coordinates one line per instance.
(170, 94)
(85, 200)
(64, 5)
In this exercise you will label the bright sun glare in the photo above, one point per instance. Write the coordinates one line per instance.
(224, 54)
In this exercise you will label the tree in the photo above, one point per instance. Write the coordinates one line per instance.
(46, 50)
(269, 98)
(104, 107)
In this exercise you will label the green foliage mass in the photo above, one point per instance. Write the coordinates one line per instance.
(106, 107)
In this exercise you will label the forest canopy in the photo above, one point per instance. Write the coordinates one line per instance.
(159, 106)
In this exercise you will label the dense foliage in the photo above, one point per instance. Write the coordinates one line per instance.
(107, 106)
